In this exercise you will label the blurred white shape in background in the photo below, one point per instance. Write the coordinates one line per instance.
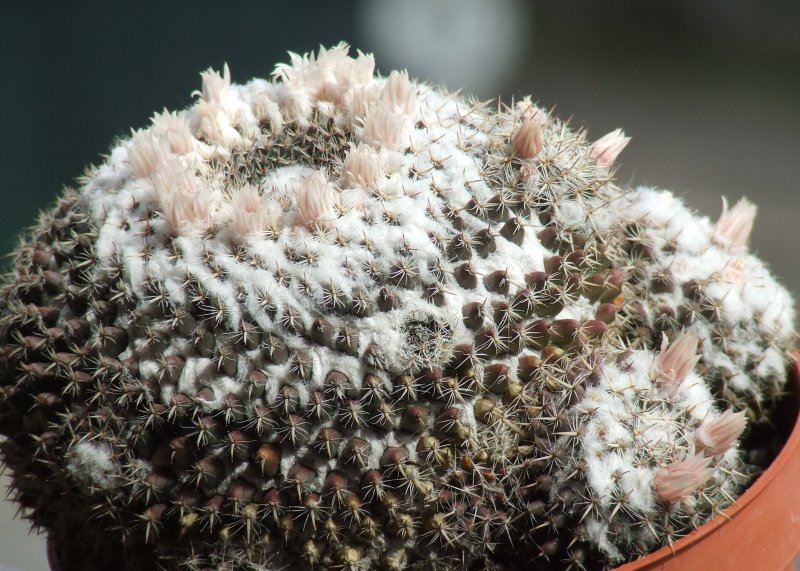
(476, 45)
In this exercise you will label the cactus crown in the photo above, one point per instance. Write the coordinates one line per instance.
(355, 322)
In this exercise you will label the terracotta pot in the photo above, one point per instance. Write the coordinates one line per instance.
(761, 530)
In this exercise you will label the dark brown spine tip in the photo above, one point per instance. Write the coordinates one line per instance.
(606, 312)
(347, 340)
(113, 340)
(459, 247)
(497, 378)
(394, 456)
(536, 281)
(527, 366)
(356, 452)
(547, 237)
(374, 356)
(322, 332)
(415, 418)
(563, 331)
(268, 458)
(553, 265)
(466, 276)
(485, 242)
(497, 281)
(435, 294)
(513, 231)
(274, 349)
(387, 300)
(473, 314)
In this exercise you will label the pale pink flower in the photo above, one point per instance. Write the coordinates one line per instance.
(716, 436)
(340, 73)
(330, 58)
(267, 109)
(294, 72)
(315, 201)
(607, 148)
(732, 230)
(359, 70)
(361, 97)
(527, 140)
(186, 211)
(384, 127)
(400, 94)
(145, 153)
(185, 202)
(676, 360)
(362, 166)
(329, 74)
(175, 130)
(173, 176)
(304, 72)
(681, 479)
(250, 212)
(215, 86)
(213, 122)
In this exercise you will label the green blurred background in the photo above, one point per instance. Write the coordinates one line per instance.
(708, 89)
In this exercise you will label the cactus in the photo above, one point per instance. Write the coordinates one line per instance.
(339, 321)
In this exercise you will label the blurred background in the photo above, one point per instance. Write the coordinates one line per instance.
(708, 89)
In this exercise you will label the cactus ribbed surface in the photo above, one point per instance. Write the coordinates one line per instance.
(340, 321)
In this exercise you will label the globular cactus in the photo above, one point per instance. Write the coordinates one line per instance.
(339, 321)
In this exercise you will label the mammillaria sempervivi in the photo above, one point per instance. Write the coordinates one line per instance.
(340, 321)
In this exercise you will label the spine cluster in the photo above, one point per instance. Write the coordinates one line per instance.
(339, 321)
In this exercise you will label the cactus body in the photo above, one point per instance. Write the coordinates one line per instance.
(349, 322)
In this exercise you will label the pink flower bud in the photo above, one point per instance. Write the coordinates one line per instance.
(732, 230)
(716, 436)
(527, 139)
(676, 361)
(607, 148)
(679, 480)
